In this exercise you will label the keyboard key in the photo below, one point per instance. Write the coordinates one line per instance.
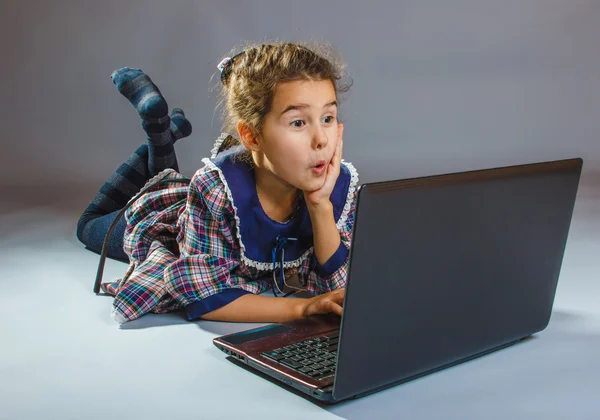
(273, 355)
(323, 376)
(332, 348)
(316, 357)
(290, 363)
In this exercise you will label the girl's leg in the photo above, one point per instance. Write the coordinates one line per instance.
(152, 107)
(148, 160)
(92, 229)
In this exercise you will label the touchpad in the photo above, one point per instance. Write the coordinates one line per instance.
(255, 334)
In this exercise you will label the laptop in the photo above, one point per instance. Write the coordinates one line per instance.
(443, 269)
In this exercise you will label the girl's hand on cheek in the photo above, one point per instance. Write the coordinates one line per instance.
(320, 196)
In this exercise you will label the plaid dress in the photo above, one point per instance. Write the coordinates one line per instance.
(200, 246)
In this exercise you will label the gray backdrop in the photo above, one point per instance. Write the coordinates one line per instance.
(439, 86)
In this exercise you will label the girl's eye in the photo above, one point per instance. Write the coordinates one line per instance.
(298, 123)
(329, 119)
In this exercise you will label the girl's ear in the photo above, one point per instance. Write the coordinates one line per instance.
(248, 136)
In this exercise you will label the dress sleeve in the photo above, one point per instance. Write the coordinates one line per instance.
(204, 277)
(334, 273)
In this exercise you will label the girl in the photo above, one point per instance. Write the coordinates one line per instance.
(274, 205)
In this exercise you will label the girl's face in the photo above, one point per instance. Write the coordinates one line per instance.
(300, 133)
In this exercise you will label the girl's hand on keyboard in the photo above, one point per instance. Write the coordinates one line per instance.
(330, 302)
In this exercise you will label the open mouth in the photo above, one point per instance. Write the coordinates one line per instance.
(320, 167)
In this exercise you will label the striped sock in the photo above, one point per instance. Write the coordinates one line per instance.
(152, 107)
(142, 165)
(133, 174)
(142, 93)
(161, 153)
(180, 126)
(123, 184)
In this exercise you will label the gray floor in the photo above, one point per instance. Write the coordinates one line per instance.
(62, 357)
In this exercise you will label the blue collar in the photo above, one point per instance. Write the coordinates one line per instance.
(258, 233)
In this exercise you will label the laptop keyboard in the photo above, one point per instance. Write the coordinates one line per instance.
(316, 357)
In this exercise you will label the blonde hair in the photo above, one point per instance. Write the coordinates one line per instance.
(249, 81)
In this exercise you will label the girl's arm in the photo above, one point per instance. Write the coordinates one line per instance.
(325, 232)
(331, 242)
(332, 273)
(254, 308)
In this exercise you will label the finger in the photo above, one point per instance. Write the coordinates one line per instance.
(334, 167)
(339, 296)
(335, 308)
(333, 171)
(339, 291)
(335, 295)
(337, 157)
(338, 299)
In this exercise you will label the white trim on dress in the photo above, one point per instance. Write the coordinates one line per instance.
(287, 264)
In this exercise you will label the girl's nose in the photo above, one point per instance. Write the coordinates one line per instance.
(319, 138)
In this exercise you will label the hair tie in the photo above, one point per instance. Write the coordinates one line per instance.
(226, 64)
